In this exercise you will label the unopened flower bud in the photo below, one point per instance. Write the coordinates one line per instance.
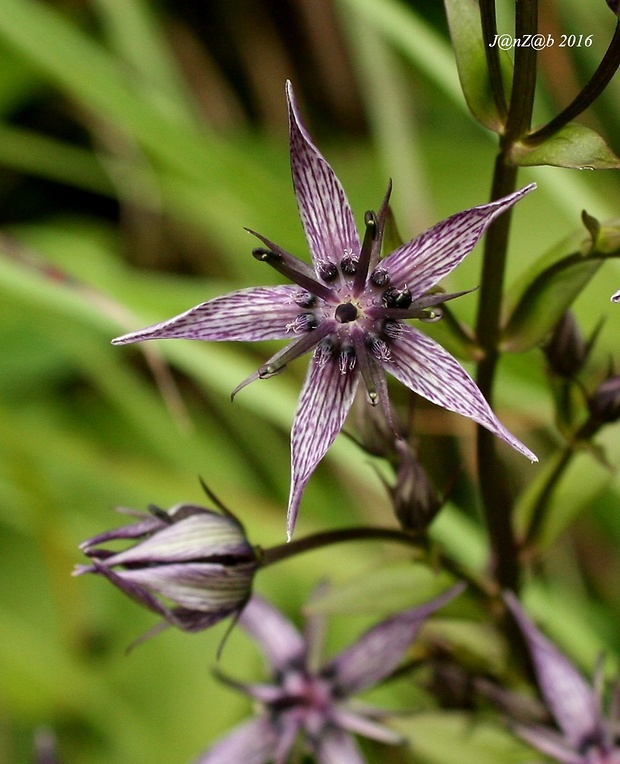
(604, 403)
(415, 500)
(566, 350)
(191, 565)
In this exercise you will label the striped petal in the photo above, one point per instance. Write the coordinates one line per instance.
(424, 261)
(323, 206)
(205, 587)
(279, 640)
(378, 652)
(430, 371)
(257, 313)
(549, 742)
(337, 747)
(571, 700)
(254, 742)
(324, 403)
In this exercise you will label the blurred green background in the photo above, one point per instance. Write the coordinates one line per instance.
(137, 139)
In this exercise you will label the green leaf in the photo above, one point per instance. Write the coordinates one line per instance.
(445, 737)
(387, 589)
(584, 481)
(471, 61)
(574, 146)
(548, 289)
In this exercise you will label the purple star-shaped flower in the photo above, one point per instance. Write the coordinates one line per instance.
(585, 736)
(351, 308)
(309, 704)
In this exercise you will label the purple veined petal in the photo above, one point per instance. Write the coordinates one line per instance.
(257, 313)
(324, 403)
(549, 743)
(280, 641)
(360, 725)
(135, 591)
(254, 742)
(289, 728)
(379, 651)
(338, 747)
(323, 206)
(263, 693)
(571, 700)
(142, 528)
(195, 537)
(425, 260)
(425, 367)
(615, 296)
(203, 586)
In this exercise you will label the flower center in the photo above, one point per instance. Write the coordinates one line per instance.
(345, 313)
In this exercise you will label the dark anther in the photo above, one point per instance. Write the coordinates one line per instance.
(264, 254)
(305, 300)
(328, 271)
(397, 298)
(380, 277)
(346, 312)
(348, 265)
(392, 329)
(307, 322)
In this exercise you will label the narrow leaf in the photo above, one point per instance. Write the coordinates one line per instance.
(469, 49)
(549, 288)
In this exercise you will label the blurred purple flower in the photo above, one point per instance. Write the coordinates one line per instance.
(616, 296)
(310, 703)
(194, 558)
(585, 736)
(351, 308)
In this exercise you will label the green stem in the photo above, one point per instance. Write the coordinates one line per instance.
(598, 82)
(324, 538)
(524, 78)
(421, 543)
(495, 487)
(489, 33)
(539, 512)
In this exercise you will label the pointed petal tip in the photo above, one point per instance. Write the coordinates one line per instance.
(124, 339)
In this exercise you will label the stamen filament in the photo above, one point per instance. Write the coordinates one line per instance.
(290, 266)
(370, 235)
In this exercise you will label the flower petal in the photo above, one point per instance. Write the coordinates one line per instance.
(279, 640)
(324, 403)
(257, 313)
(548, 742)
(323, 206)
(571, 700)
(379, 651)
(338, 747)
(352, 721)
(206, 587)
(429, 370)
(423, 261)
(254, 742)
(196, 537)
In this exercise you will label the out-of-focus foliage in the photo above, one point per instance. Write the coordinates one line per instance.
(137, 139)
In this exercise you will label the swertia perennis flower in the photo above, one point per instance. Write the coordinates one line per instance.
(195, 558)
(309, 706)
(350, 308)
(585, 736)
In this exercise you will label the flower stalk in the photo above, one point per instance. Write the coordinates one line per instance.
(495, 488)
